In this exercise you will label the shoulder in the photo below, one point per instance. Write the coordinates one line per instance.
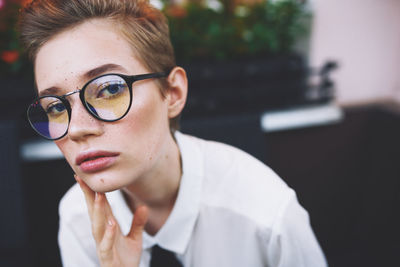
(73, 207)
(74, 229)
(236, 181)
(75, 240)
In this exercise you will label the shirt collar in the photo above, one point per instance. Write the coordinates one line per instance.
(175, 234)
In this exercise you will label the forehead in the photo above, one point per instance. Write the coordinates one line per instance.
(66, 57)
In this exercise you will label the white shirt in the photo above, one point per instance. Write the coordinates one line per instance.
(231, 211)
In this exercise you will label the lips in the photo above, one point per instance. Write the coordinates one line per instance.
(93, 161)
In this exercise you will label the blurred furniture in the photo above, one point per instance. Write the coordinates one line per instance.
(13, 226)
(347, 176)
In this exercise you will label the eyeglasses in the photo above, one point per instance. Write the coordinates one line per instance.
(107, 98)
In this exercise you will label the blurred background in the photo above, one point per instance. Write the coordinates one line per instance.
(311, 88)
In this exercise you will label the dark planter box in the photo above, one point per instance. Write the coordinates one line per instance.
(246, 86)
(17, 92)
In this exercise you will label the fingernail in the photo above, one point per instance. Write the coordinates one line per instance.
(96, 196)
(110, 222)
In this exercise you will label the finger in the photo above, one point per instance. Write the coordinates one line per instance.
(88, 192)
(107, 243)
(138, 223)
(107, 207)
(108, 211)
(99, 217)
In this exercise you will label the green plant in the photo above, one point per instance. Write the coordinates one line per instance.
(12, 60)
(199, 32)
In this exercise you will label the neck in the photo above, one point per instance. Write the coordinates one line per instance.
(158, 189)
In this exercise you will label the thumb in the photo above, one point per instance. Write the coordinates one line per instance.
(138, 223)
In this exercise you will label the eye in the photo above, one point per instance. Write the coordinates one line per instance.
(111, 89)
(55, 109)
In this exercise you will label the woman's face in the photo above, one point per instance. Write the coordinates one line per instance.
(106, 155)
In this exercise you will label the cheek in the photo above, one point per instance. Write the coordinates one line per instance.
(148, 111)
(67, 151)
(61, 144)
(147, 123)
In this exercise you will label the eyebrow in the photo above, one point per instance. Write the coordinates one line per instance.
(102, 69)
(49, 91)
(86, 76)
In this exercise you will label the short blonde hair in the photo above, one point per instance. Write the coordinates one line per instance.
(143, 26)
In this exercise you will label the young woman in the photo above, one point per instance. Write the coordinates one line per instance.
(109, 95)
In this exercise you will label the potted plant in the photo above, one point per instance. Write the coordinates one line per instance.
(15, 70)
(235, 29)
(12, 61)
(239, 54)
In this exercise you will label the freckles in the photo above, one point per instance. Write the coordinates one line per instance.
(102, 180)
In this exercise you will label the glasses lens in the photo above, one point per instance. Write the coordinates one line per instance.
(108, 97)
(49, 117)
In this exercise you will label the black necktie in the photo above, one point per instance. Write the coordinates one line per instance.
(163, 258)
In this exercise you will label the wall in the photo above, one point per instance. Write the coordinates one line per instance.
(364, 37)
(397, 82)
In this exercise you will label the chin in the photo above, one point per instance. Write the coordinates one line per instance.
(104, 188)
(101, 185)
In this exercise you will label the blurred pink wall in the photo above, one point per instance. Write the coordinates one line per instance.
(364, 37)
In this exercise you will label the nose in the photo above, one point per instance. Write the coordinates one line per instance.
(82, 125)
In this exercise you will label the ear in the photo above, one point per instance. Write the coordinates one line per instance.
(177, 91)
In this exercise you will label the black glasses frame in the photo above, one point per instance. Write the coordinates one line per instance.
(129, 80)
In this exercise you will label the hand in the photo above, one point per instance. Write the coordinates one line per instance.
(113, 248)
